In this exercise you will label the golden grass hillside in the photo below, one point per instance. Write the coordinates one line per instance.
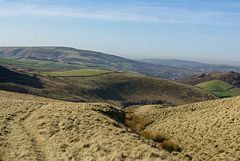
(205, 131)
(122, 90)
(102, 86)
(40, 129)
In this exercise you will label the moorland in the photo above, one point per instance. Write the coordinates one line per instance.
(61, 103)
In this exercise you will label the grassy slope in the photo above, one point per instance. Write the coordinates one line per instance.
(214, 85)
(8, 76)
(67, 56)
(36, 64)
(232, 78)
(35, 128)
(116, 88)
(205, 130)
(220, 88)
(74, 73)
(122, 89)
(77, 59)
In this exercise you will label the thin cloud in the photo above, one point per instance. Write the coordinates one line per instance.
(136, 13)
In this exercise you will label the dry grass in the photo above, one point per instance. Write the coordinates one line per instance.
(156, 136)
(136, 123)
(170, 146)
(34, 128)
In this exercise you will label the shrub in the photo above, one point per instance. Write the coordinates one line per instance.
(136, 123)
(155, 136)
(170, 146)
(159, 137)
(146, 134)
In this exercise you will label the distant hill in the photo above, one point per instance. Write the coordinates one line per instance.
(174, 62)
(193, 67)
(63, 58)
(219, 88)
(47, 58)
(110, 87)
(232, 78)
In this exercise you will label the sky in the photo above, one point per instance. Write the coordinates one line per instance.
(200, 30)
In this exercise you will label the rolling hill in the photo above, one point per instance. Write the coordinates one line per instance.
(35, 128)
(47, 58)
(205, 131)
(116, 88)
(175, 62)
(195, 67)
(232, 78)
(9, 79)
(219, 88)
(55, 58)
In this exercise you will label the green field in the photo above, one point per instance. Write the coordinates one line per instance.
(219, 88)
(76, 73)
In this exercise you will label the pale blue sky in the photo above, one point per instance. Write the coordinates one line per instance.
(201, 30)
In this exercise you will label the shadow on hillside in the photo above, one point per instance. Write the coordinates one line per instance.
(8, 76)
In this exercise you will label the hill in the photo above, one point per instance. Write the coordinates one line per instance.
(193, 67)
(116, 88)
(219, 88)
(174, 62)
(35, 128)
(49, 58)
(205, 130)
(232, 78)
(8, 78)
(55, 58)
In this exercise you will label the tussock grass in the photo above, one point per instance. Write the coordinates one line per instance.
(136, 123)
(170, 146)
(156, 136)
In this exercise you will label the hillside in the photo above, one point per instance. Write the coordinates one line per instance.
(116, 88)
(205, 131)
(232, 78)
(8, 78)
(35, 128)
(49, 58)
(193, 67)
(175, 62)
(63, 58)
(219, 88)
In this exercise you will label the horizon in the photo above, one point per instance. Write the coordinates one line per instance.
(206, 32)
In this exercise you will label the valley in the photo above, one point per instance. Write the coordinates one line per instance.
(120, 89)
(68, 104)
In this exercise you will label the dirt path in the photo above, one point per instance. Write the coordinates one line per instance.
(19, 138)
(38, 129)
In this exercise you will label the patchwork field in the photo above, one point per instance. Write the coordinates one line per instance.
(37, 64)
(206, 131)
(35, 128)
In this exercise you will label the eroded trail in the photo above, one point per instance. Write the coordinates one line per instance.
(39, 129)
(15, 134)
